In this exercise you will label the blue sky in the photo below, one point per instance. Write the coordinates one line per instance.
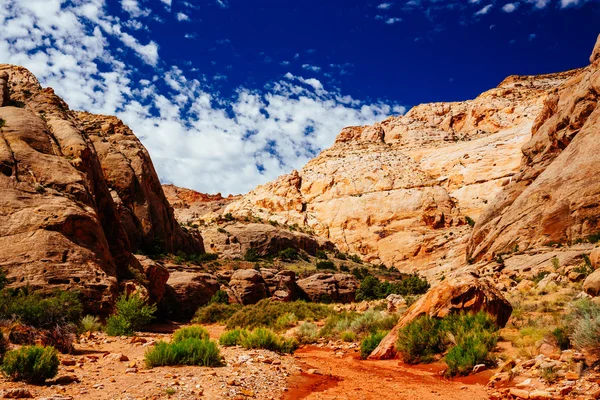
(229, 94)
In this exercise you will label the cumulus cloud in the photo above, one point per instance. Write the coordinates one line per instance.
(182, 17)
(385, 6)
(392, 21)
(196, 139)
(310, 67)
(510, 7)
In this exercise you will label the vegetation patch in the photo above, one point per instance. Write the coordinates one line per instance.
(32, 364)
(132, 313)
(189, 351)
(370, 343)
(264, 338)
(190, 332)
(233, 337)
(215, 312)
(329, 265)
(371, 288)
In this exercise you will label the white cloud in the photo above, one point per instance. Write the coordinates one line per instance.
(133, 8)
(182, 17)
(222, 3)
(310, 67)
(510, 7)
(167, 2)
(385, 6)
(195, 139)
(392, 21)
(484, 10)
(532, 37)
(539, 4)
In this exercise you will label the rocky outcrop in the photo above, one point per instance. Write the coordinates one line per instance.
(156, 277)
(234, 239)
(186, 291)
(144, 211)
(59, 225)
(248, 286)
(399, 191)
(591, 285)
(463, 293)
(281, 285)
(555, 196)
(329, 288)
(4, 93)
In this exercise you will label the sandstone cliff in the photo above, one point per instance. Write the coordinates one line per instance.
(60, 227)
(400, 191)
(555, 196)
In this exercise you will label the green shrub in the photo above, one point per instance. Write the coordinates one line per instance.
(372, 321)
(307, 333)
(420, 340)
(322, 255)
(561, 336)
(340, 256)
(189, 351)
(263, 338)
(117, 325)
(251, 255)
(62, 308)
(348, 336)
(195, 332)
(470, 221)
(369, 343)
(32, 364)
(266, 312)
(90, 323)
(372, 288)
(325, 265)
(288, 254)
(585, 325)
(285, 321)
(215, 313)
(233, 337)
(355, 258)
(228, 217)
(470, 338)
(132, 313)
(220, 296)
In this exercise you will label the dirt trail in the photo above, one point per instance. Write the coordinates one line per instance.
(351, 378)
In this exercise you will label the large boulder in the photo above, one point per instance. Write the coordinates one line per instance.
(4, 93)
(324, 287)
(596, 52)
(186, 291)
(248, 286)
(156, 277)
(591, 285)
(595, 258)
(463, 293)
(281, 285)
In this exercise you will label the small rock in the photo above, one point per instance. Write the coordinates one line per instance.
(19, 393)
(571, 376)
(526, 382)
(68, 362)
(479, 368)
(131, 370)
(519, 393)
(132, 364)
(313, 371)
(539, 395)
(117, 357)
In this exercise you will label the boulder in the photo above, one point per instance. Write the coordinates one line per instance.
(248, 286)
(463, 293)
(595, 258)
(591, 285)
(324, 287)
(280, 285)
(395, 302)
(186, 291)
(156, 276)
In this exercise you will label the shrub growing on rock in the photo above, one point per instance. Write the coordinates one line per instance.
(32, 364)
(220, 296)
(288, 254)
(189, 351)
(369, 343)
(132, 313)
(372, 288)
(329, 265)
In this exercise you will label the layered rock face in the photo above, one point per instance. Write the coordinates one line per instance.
(399, 191)
(59, 225)
(555, 196)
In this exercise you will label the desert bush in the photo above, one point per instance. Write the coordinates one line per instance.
(340, 256)
(561, 337)
(90, 323)
(285, 321)
(215, 312)
(132, 313)
(329, 265)
(189, 351)
(288, 254)
(233, 337)
(372, 321)
(263, 338)
(251, 255)
(266, 312)
(322, 255)
(61, 308)
(220, 296)
(469, 337)
(369, 343)
(348, 336)
(32, 364)
(585, 325)
(189, 332)
(372, 288)
(307, 333)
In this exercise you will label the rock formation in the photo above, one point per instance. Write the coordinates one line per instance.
(399, 191)
(463, 293)
(325, 287)
(59, 225)
(555, 196)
